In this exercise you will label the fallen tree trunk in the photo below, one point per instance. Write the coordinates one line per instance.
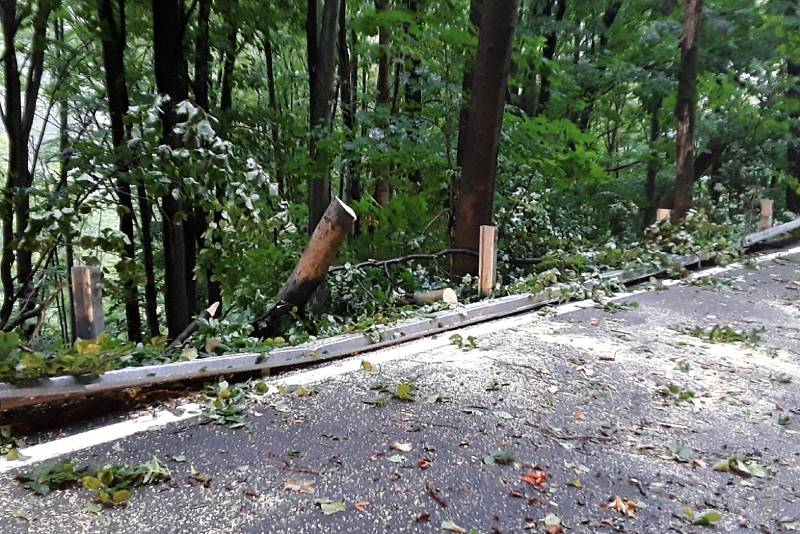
(446, 295)
(310, 271)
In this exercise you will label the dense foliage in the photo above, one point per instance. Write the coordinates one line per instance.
(210, 137)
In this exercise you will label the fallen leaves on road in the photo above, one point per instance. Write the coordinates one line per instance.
(329, 507)
(744, 467)
(436, 496)
(452, 527)
(536, 477)
(361, 506)
(625, 507)
(402, 447)
(300, 485)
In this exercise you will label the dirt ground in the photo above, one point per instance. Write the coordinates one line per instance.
(581, 420)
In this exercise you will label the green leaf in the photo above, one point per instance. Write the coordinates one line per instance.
(708, 519)
(121, 496)
(330, 508)
(405, 391)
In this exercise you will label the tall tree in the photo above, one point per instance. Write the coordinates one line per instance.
(321, 57)
(685, 110)
(479, 166)
(172, 81)
(548, 55)
(653, 109)
(348, 79)
(113, 36)
(18, 117)
(383, 187)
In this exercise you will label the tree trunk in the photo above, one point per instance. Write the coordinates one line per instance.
(312, 267)
(150, 292)
(347, 89)
(64, 161)
(548, 54)
(226, 93)
(685, 111)
(202, 57)
(113, 37)
(466, 85)
(18, 123)
(793, 146)
(321, 51)
(476, 188)
(463, 119)
(383, 187)
(171, 80)
(652, 163)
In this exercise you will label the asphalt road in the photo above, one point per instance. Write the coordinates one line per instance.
(600, 419)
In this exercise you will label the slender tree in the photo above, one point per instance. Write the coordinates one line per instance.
(172, 81)
(685, 110)
(18, 117)
(112, 34)
(383, 187)
(321, 36)
(653, 110)
(793, 148)
(479, 167)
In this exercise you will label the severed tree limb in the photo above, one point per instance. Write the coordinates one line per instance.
(409, 257)
(206, 314)
(438, 255)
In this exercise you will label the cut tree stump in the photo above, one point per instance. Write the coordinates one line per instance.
(87, 288)
(487, 260)
(310, 271)
(663, 214)
(765, 221)
(447, 295)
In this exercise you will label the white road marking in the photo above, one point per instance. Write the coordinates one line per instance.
(427, 346)
(97, 436)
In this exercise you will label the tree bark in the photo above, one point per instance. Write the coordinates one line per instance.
(793, 146)
(466, 85)
(113, 38)
(347, 81)
(321, 56)
(477, 184)
(652, 162)
(312, 267)
(202, 55)
(548, 54)
(226, 93)
(18, 123)
(171, 80)
(685, 110)
(150, 292)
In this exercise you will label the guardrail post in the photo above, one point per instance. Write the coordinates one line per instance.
(487, 260)
(765, 221)
(87, 290)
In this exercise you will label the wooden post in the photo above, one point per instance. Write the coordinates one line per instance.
(487, 260)
(663, 214)
(312, 267)
(87, 290)
(765, 221)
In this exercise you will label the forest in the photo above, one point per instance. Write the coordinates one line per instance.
(188, 148)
